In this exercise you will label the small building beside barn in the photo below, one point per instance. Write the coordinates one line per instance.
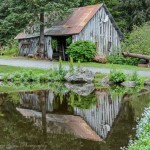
(93, 23)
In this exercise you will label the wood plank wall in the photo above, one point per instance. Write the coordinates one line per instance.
(103, 34)
(32, 49)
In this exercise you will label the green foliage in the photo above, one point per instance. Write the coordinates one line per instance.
(117, 76)
(138, 40)
(54, 44)
(83, 102)
(82, 50)
(11, 49)
(15, 15)
(30, 76)
(138, 80)
(60, 65)
(79, 64)
(5, 77)
(71, 66)
(119, 59)
(134, 12)
(69, 40)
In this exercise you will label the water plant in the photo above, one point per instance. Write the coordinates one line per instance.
(117, 76)
(71, 65)
(139, 81)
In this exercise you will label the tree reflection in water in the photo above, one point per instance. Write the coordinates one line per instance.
(109, 116)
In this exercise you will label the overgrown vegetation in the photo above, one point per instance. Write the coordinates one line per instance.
(116, 58)
(118, 77)
(138, 40)
(37, 75)
(11, 48)
(83, 51)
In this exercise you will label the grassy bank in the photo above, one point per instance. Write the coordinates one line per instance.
(12, 69)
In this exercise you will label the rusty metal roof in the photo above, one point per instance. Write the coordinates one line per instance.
(75, 22)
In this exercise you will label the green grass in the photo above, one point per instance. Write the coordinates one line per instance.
(89, 64)
(12, 69)
(113, 66)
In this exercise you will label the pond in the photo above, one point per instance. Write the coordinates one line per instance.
(68, 117)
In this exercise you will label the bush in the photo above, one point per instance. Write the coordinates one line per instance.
(138, 80)
(119, 59)
(83, 51)
(139, 40)
(11, 49)
(117, 76)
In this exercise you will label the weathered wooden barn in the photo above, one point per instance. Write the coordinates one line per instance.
(93, 23)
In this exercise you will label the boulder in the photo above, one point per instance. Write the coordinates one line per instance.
(101, 58)
(81, 89)
(81, 75)
(128, 83)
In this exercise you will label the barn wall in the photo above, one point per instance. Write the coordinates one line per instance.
(29, 49)
(24, 50)
(103, 34)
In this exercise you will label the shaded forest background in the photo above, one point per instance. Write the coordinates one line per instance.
(16, 14)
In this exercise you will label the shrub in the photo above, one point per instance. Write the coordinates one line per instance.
(117, 76)
(119, 59)
(138, 40)
(11, 49)
(82, 50)
(138, 80)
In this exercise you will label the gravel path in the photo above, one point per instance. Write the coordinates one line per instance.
(44, 64)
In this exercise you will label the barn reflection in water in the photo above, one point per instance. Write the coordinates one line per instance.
(101, 116)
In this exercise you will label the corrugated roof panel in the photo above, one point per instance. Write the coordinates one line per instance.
(75, 22)
(70, 25)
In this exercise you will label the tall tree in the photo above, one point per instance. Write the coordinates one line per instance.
(21, 12)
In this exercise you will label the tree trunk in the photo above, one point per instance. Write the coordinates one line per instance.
(127, 54)
(41, 43)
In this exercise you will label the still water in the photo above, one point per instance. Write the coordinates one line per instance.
(68, 118)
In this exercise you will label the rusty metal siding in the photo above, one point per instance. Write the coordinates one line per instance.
(104, 34)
